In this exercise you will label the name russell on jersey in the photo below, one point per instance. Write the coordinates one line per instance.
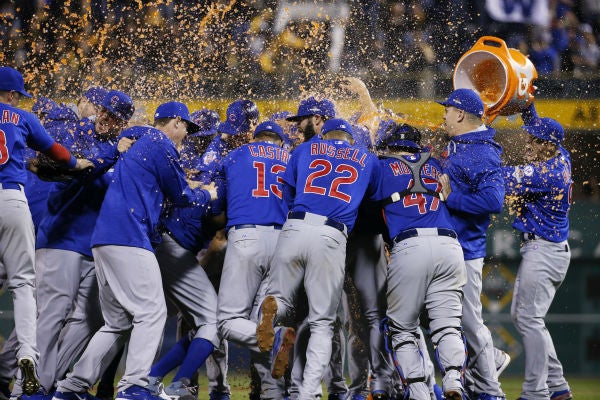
(346, 153)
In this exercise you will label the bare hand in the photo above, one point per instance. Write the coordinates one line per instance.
(124, 144)
(212, 189)
(82, 164)
(446, 187)
(354, 85)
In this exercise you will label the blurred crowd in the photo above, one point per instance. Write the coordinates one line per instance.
(178, 46)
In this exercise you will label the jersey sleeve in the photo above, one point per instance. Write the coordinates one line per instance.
(529, 179)
(38, 139)
(487, 197)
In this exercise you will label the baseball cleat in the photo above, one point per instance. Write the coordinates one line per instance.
(216, 395)
(136, 392)
(30, 381)
(182, 390)
(502, 363)
(561, 395)
(280, 353)
(156, 386)
(72, 396)
(265, 334)
(453, 395)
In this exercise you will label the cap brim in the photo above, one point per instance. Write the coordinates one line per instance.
(191, 127)
(403, 143)
(24, 93)
(208, 132)
(444, 103)
(296, 118)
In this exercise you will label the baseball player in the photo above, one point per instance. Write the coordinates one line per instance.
(18, 129)
(240, 120)
(312, 114)
(131, 293)
(185, 231)
(471, 166)
(255, 214)
(324, 184)
(543, 190)
(426, 268)
(67, 294)
(308, 121)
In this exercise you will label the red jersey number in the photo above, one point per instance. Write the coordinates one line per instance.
(261, 188)
(419, 200)
(4, 156)
(348, 175)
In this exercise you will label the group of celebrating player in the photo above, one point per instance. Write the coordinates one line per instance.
(319, 213)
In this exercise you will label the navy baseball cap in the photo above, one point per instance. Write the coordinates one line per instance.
(12, 80)
(43, 105)
(118, 104)
(174, 109)
(384, 129)
(270, 126)
(404, 135)
(240, 115)
(546, 129)
(465, 99)
(95, 94)
(337, 124)
(312, 106)
(362, 136)
(208, 121)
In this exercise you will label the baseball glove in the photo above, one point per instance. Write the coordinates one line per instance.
(49, 170)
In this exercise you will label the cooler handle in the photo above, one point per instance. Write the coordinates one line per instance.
(491, 41)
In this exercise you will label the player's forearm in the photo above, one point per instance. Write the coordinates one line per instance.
(485, 201)
(59, 153)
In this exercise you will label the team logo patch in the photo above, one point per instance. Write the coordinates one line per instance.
(209, 157)
(114, 101)
(528, 170)
(231, 117)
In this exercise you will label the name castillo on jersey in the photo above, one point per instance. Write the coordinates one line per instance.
(344, 153)
(10, 117)
(268, 151)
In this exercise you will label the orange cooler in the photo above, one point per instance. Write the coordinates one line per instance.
(503, 77)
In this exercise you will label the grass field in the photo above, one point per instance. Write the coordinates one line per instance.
(587, 388)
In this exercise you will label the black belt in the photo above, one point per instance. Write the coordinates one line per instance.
(11, 185)
(525, 236)
(409, 233)
(328, 221)
(246, 226)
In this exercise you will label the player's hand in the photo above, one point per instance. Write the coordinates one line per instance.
(353, 85)
(124, 144)
(193, 184)
(212, 189)
(446, 187)
(83, 163)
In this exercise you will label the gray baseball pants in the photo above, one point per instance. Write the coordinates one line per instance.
(542, 270)
(479, 339)
(66, 281)
(133, 306)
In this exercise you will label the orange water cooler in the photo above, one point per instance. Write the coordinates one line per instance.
(502, 76)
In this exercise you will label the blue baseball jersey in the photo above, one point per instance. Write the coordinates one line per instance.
(187, 225)
(472, 161)
(415, 210)
(147, 173)
(73, 207)
(208, 165)
(18, 129)
(254, 178)
(544, 196)
(330, 178)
